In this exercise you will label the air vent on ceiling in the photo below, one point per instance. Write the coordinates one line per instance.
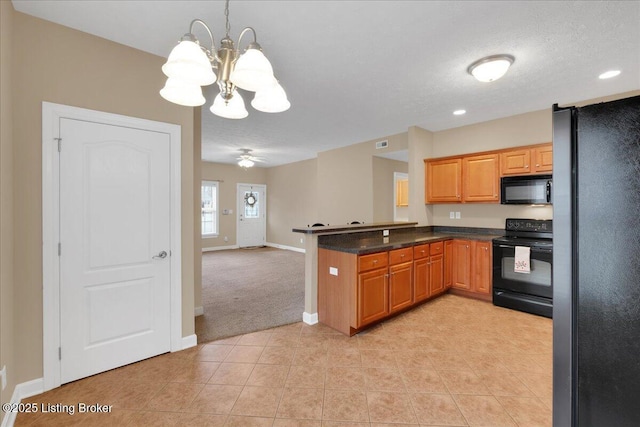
(382, 144)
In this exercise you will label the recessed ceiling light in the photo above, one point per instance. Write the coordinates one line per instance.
(491, 67)
(459, 112)
(609, 74)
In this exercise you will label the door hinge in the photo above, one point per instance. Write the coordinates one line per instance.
(59, 249)
(59, 353)
(59, 144)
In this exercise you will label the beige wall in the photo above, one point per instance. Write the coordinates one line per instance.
(229, 176)
(384, 187)
(57, 64)
(7, 283)
(420, 147)
(292, 201)
(345, 180)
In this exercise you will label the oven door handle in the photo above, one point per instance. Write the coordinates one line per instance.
(543, 250)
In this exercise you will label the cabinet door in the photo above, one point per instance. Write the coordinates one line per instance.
(448, 263)
(481, 175)
(402, 192)
(462, 264)
(421, 279)
(443, 181)
(516, 162)
(436, 274)
(373, 296)
(400, 289)
(543, 157)
(482, 267)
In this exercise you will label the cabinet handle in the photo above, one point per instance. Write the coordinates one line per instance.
(375, 261)
(486, 249)
(537, 164)
(401, 255)
(526, 166)
(422, 252)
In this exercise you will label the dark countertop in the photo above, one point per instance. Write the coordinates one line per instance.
(366, 243)
(351, 228)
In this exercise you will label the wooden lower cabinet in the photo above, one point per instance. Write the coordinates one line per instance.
(448, 264)
(482, 267)
(356, 291)
(461, 265)
(400, 286)
(373, 296)
(472, 268)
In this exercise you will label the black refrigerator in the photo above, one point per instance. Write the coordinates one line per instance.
(596, 264)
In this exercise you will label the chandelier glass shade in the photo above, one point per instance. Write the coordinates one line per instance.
(232, 109)
(190, 66)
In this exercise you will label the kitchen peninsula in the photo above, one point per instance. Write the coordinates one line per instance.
(358, 275)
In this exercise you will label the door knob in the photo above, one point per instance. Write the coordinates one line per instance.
(161, 255)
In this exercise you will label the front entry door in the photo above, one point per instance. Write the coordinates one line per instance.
(252, 220)
(115, 246)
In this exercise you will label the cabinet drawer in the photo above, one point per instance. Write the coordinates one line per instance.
(398, 256)
(420, 251)
(369, 262)
(436, 248)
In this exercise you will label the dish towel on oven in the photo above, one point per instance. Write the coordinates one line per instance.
(522, 261)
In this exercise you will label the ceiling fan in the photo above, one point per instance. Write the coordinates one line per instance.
(246, 160)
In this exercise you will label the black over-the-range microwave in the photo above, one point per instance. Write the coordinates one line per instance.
(526, 190)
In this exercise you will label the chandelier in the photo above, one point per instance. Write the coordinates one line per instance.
(190, 66)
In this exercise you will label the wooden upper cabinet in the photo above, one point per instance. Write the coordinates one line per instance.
(543, 159)
(481, 175)
(443, 181)
(527, 160)
(402, 192)
(516, 162)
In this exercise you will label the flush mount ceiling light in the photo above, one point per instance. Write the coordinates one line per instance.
(609, 74)
(459, 112)
(190, 66)
(491, 67)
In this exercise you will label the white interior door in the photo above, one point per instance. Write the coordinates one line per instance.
(115, 210)
(252, 217)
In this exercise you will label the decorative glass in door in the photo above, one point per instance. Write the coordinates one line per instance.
(251, 205)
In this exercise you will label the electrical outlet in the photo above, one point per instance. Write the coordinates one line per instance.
(452, 215)
(457, 215)
(301, 240)
(226, 239)
(3, 375)
(385, 233)
(333, 271)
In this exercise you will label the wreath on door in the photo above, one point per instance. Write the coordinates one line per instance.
(250, 199)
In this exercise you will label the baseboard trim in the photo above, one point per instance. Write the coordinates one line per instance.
(198, 311)
(310, 318)
(189, 341)
(288, 248)
(220, 248)
(22, 391)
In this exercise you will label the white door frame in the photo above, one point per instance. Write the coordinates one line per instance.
(264, 210)
(51, 115)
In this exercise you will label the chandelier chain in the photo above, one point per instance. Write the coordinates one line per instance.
(226, 16)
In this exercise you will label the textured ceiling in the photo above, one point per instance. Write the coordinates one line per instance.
(361, 70)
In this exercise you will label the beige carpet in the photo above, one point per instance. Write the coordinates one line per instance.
(247, 290)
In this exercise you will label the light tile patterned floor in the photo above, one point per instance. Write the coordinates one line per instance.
(452, 361)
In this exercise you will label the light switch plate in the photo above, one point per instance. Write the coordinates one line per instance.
(452, 215)
(385, 233)
(457, 215)
(333, 271)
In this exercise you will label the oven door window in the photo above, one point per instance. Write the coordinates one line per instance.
(540, 271)
(537, 282)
